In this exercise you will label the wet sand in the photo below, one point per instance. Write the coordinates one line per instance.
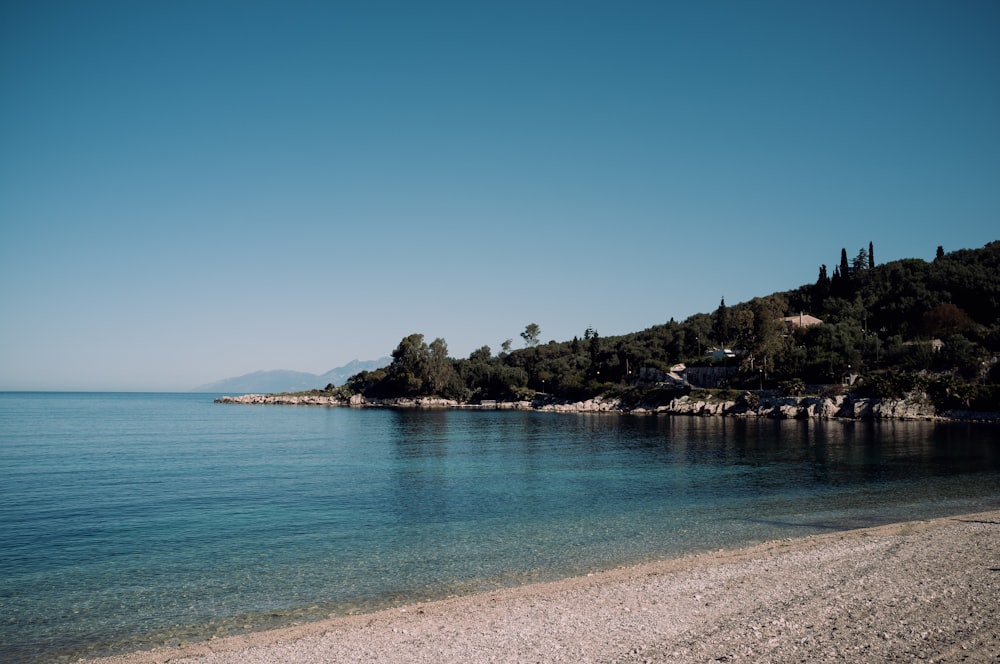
(922, 590)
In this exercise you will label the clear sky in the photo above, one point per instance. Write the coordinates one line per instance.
(194, 190)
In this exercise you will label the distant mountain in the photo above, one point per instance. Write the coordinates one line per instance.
(340, 375)
(291, 381)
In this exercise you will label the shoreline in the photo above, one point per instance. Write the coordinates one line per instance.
(846, 408)
(925, 589)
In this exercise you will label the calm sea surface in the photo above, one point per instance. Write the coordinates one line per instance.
(134, 520)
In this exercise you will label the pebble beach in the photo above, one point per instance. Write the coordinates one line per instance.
(914, 591)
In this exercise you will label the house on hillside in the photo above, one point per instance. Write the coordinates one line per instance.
(802, 320)
(676, 377)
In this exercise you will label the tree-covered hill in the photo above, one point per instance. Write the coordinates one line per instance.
(888, 327)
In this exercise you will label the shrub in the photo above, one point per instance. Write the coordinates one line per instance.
(831, 391)
(794, 387)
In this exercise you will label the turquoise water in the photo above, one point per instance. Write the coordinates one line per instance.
(134, 520)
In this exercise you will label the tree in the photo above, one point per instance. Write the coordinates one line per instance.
(743, 325)
(720, 325)
(483, 354)
(836, 283)
(409, 366)
(767, 341)
(961, 355)
(823, 282)
(946, 319)
(440, 371)
(482, 376)
(821, 291)
(871, 256)
(595, 346)
(696, 331)
(530, 335)
(845, 268)
(940, 253)
(832, 351)
(860, 262)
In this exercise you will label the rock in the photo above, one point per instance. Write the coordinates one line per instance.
(829, 407)
(789, 411)
(914, 406)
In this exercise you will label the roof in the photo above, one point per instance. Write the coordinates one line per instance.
(802, 320)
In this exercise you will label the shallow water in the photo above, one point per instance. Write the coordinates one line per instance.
(133, 520)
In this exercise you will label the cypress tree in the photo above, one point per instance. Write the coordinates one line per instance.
(824, 280)
(845, 268)
(836, 282)
(722, 323)
(871, 256)
(822, 288)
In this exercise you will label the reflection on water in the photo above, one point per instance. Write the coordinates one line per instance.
(136, 520)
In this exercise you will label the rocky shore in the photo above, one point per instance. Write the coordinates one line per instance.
(917, 591)
(748, 404)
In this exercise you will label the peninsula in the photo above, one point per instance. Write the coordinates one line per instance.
(908, 339)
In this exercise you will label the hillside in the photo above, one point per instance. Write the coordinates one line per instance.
(880, 329)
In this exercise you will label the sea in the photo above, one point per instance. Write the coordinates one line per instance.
(131, 521)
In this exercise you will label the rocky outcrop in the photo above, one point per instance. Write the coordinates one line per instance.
(408, 402)
(323, 400)
(687, 406)
(595, 405)
(914, 407)
(902, 409)
(283, 400)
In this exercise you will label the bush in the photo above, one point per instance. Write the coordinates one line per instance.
(832, 391)
(749, 400)
(951, 393)
(794, 387)
(891, 385)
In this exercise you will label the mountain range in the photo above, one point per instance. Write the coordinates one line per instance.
(280, 380)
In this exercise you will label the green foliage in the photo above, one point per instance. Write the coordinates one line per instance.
(723, 394)
(728, 394)
(831, 352)
(365, 381)
(530, 334)
(878, 323)
(832, 391)
(949, 392)
(891, 384)
(486, 377)
(793, 387)
(417, 369)
(342, 392)
(721, 324)
(962, 357)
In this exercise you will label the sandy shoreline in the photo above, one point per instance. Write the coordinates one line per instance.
(922, 590)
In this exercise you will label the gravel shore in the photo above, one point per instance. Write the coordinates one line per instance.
(916, 591)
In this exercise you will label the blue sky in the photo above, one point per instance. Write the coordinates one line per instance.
(193, 190)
